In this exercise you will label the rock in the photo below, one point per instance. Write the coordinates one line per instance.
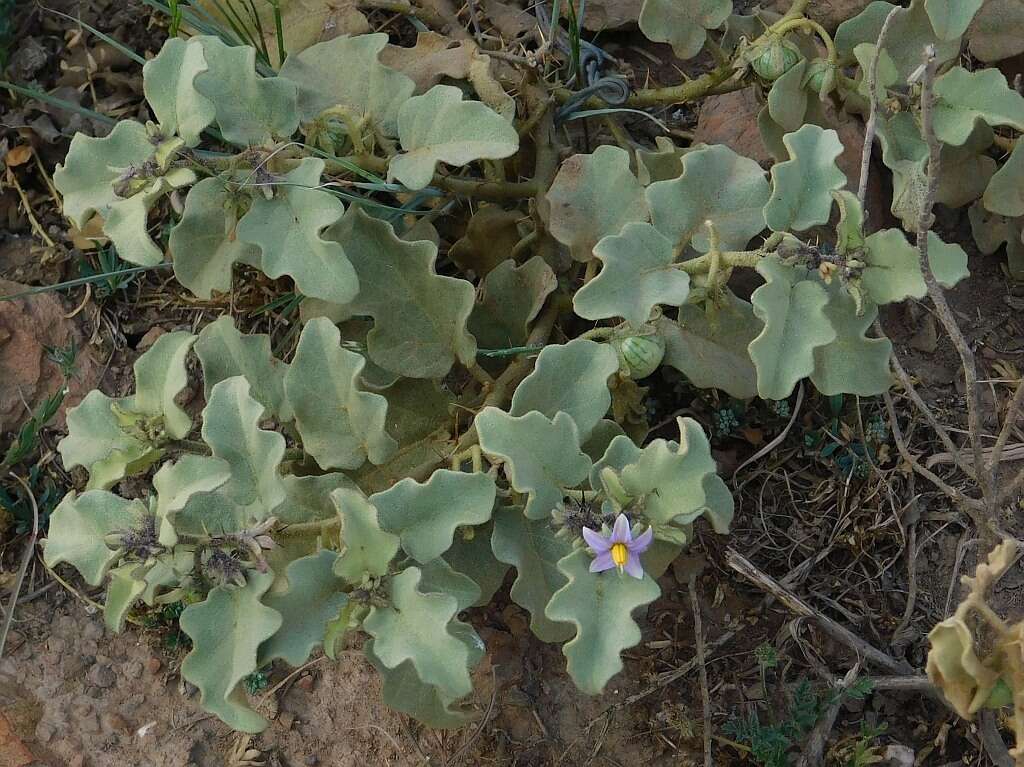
(27, 375)
(311, 761)
(92, 630)
(114, 722)
(153, 665)
(305, 682)
(78, 760)
(102, 676)
(133, 669)
(731, 119)
(829, 13)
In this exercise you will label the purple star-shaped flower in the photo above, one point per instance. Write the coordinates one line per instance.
(620, 549)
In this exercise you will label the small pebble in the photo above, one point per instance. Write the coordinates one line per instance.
(114, 722)
(133, 669)
(305, 682)
(78, 760)
(311, 761)
(102, 676)
(153, 665)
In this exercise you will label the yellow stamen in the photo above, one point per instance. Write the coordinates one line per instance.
(619, 554)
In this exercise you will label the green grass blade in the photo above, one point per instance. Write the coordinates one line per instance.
(85, 280)
(48, 99)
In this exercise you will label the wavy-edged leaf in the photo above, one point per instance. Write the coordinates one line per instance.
(126, 220)
(288, 228)
(950, 18)
(709, 345)
(124, 590)
(429, 334)
(588, 365)
(991, 231)
(340, 424)
(204, 244)
(308, 498)
(168, 82)
(438, 577)
(426, 515)
(511, 296)
(684, 25)
(471, 555)
(963, 98)
(97, 442)
(1005, 192)
(995, 33)
(592, 196)
(368, 550)
(160, 376)
(678, 480)
(231, 428)
(312, 599)
(792, 307)
(227, 629)
(719, 186)
(250, 109)
(79, 527)
(225, 352)
(853, 363)
(787, 99)
(347, 72)
(601, 606)
(910, 31)
(802, 186)
(638, 274)
(541, 455)
(175, 484)
(92, 165)
(530, 545)
(893, 271)
(440, 127)
(416, 627)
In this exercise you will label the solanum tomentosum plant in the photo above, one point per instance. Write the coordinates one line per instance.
(436, 425)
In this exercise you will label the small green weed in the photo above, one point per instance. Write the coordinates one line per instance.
(771, 744)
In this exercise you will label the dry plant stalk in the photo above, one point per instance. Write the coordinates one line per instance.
(971, 683)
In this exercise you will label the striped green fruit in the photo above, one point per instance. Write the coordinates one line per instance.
(642, 354)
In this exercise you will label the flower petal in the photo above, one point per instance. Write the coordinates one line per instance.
(633, 566)
(602, 561)
(596, 541)
(621, 532)
(643, 541)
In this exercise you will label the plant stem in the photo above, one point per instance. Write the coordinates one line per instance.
(483, 189)
(691, 90)
(872, 124)
(782, 27)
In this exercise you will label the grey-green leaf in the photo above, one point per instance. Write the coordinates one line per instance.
(587, 365)
(227, 629)
(440, 127)
(367, 548)
(792, 307)
(637, 275)
(225, 352)
(601, 606)
(79, 527)
(530, 545)
(288, 228)
(593, 196)
(340, 424)
(853, 363)
(541, 455)
(802, 186)
(346, 72)
(312, 598)
(425, 516)
(719, 186)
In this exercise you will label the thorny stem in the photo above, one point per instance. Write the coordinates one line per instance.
(729, 259)
(1013, 411)
(945, 314)
(802, 23)
(872, 124)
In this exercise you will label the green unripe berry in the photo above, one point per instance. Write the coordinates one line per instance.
(641, 355)
(774, 58)
(821, 77)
